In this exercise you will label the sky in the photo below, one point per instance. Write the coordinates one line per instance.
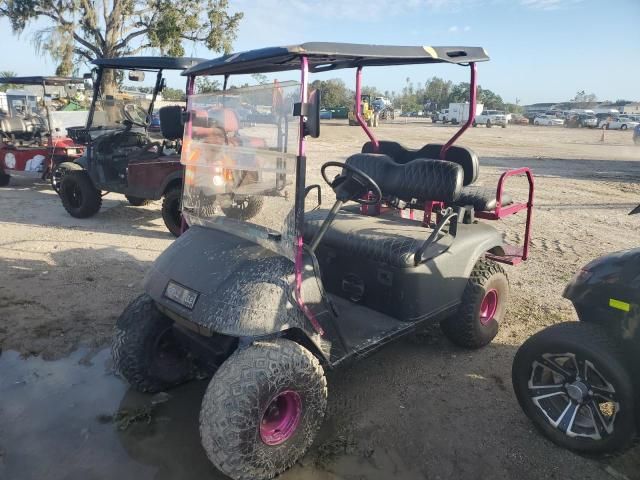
(541, 50)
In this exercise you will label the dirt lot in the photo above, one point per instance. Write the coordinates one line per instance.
(436, 411)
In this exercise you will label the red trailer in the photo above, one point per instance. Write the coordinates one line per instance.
(30, 143)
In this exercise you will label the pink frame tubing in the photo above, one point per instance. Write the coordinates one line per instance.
(191, 82)
(299, 206)
(473, 97)
(363, 125)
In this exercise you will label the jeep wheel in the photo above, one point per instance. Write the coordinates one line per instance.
(171, 211)
(572, 381)
(137, 201)
(145, 350)
(79, 196)
(262, 409)
(244, 209)
(5, 178)
(482, 308)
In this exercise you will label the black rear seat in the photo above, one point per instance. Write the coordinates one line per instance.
(482, 198)
(390, 240)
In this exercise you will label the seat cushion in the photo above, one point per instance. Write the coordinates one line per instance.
(463, 156)
(419, 179)
(384, 239)
(483, 199)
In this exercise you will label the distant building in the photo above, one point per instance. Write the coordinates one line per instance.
(632, 108)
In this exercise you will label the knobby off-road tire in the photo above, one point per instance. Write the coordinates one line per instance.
(137, 201)
(236, 402)
(474, 326)
(145, 351)
(171, 210)
(5, 178)
(79, 196)
(587, 343)
(245, 209)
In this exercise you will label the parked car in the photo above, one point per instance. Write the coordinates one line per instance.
(618, 123)
(636, 135)
(548, 120)
(581, 120)
(491, 118)
(517, 119)
(325, 114)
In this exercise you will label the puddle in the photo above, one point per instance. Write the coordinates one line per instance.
(54, 424)
(74, 419)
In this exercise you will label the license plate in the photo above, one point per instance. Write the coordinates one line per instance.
(181, 295)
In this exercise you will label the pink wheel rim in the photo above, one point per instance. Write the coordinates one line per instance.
(281, 418)
(488, 307)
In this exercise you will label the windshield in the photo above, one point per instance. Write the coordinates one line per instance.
(239, 154)
(121, 100)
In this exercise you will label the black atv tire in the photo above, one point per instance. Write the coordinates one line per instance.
(171, 211)
(237, 399)
(145, 351)
(244, 210)
(469, 328)
(137, 201)
(58, 173)
(5, 178)
(79, 196)
(588, 342)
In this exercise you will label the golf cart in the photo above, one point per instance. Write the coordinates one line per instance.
(30, 141)
(121, 156)
(268, 304)
(579, 382)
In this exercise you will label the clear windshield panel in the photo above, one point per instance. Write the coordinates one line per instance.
(120, 99)
(239, 153)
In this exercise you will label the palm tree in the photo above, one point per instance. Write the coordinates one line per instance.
(6, 74)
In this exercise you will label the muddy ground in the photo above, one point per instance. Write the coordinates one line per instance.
(420, 408)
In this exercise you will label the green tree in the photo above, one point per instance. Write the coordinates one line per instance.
(173, 94)
(206, 85)
(89, 29)
(333, 93)
(7, 74)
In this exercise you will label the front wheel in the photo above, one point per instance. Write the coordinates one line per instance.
(572, 382)
(80, 198)
(482, 308)
(171, 211)
(262, 409)
(145, 350)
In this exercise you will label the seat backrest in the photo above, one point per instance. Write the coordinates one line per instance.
(463, 156)
(419, 179)
(171, 124)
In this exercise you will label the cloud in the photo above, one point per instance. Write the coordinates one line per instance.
(548, 5)
(454, 28)
(467, 28)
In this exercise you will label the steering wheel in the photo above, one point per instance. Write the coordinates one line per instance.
(136, 115)
(352, 184)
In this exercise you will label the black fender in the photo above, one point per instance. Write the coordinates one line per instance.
(607, 290)
(175, 177)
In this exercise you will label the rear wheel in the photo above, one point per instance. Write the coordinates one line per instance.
(262, 409)
(483, 306)
(145, 350)
(137, 201)
(80, 198)
(171, 210)
(572, 382)
(5, 178)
